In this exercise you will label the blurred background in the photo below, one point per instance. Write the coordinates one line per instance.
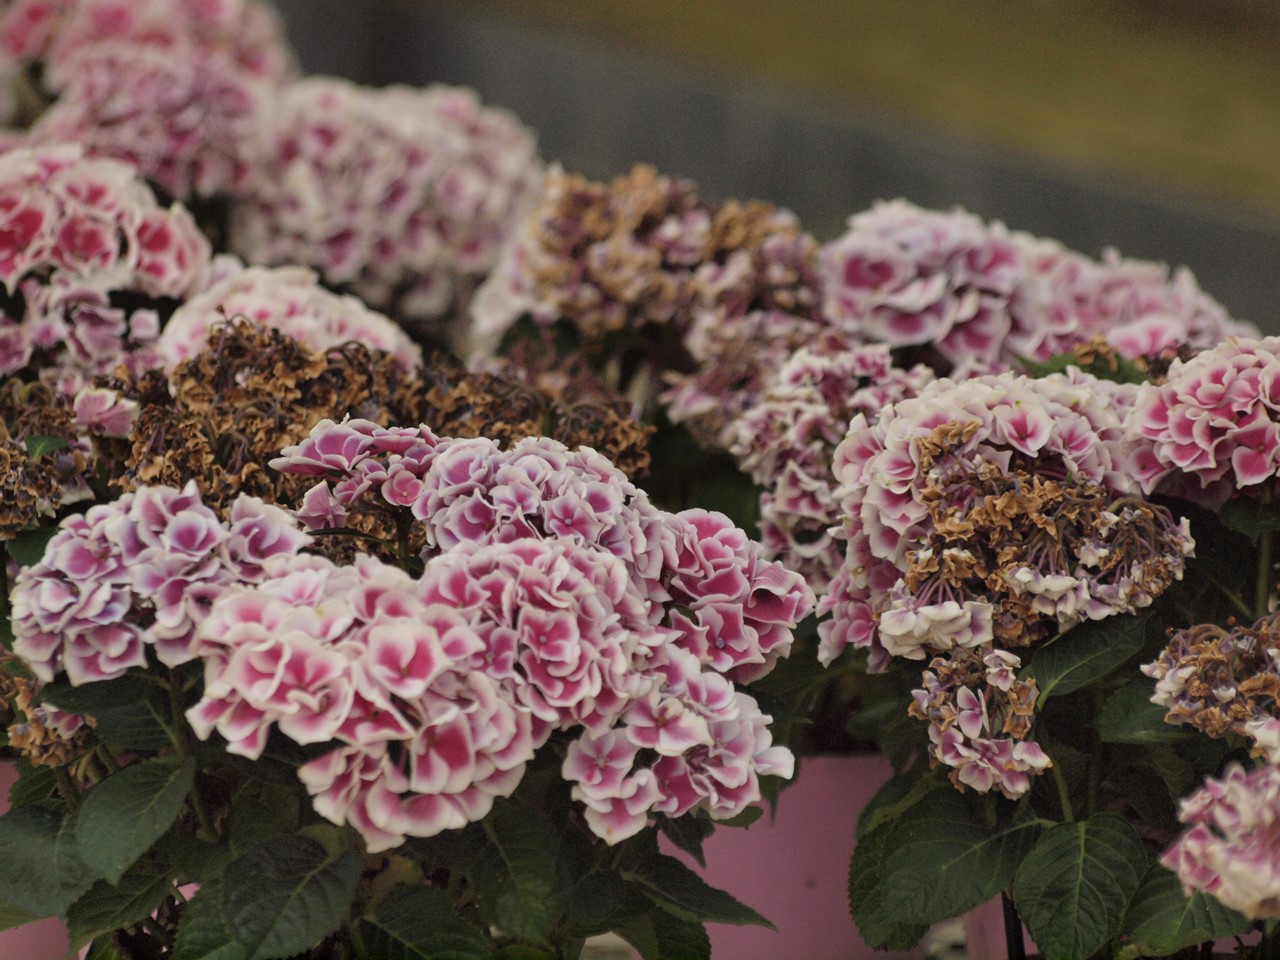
(1149, 125)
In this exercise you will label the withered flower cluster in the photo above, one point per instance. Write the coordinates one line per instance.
(44, 735)
(1043, 551)
(32, 487)
(221, 415)
(1224, 681)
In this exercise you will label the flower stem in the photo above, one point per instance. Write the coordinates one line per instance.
(1064, 796)
(1262, 596)
(67, 787)
(1013, 929)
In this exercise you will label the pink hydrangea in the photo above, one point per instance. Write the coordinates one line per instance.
(289, 299)
(138, 573)
(977, 291)
(948, 441)
(403, 196)
(53, 31)
(786, 442)
(1231, 847)
(186, 117)
(91, 265)
(979, 715)
(1212, 429)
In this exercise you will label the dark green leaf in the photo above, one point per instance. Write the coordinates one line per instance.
(102, 694)
(515, 873)
(287, 894)
(104, 948)
(678, 890)
(27, 548)
(941, 859)
(126, 813)
(1087, 652)
(12, 915)
(867, 904)
(687, 833)
(204, 932)
(34, 784)
(1161, 919)
(522, 951)
(38, 446)
(742, 819)
(133, 726)
(418, 923)
(105, 907)
(602, 901)
(658, 935)
(1251, 517)
(1074, 887)
(1129, 716)
(894, 798)
(41, 870)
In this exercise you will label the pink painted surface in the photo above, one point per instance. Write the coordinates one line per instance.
(795, 869)
(43, 940)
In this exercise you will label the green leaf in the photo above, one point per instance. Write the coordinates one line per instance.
(1123, 371)
(104, 948)
(687, 833)
(1251, 517)
(1074, 888)
(287, 894)
(867, 904)
(133, 726)
(35, 783)
(27, 548)
(658, 935)
(121, 817)
(1087, 652)
(38, 446)
(602, 901)
(203, 932)
(941, 859)
(11, 915)
(894, 798)
(418, 923)
(515, 873)
(1129, 716)
(105, 907)
(41, 870)
(678, 890)
(99, 695)
(1161, 919)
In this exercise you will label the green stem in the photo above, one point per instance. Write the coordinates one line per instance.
(1262, 596)
(67, 787)
(181, 736)
(1095, 760)
(106, 758)
(1064, 797)
(1231, 595)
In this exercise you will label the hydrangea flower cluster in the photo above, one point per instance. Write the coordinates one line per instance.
(994, 508)
(183, 116)
(79, 238)
(1212, 429)
(787, 440)
(1231, 848)
(53, 31)
(136, 574)
(288, 299)
(979, 716)
(977, 291)
(645, 274)
(175, 87)
(707, 580)
(402, 196)
(1223, 681)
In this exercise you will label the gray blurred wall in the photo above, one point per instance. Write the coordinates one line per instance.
(599, 111)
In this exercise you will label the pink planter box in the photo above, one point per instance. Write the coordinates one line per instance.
(795, 868)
